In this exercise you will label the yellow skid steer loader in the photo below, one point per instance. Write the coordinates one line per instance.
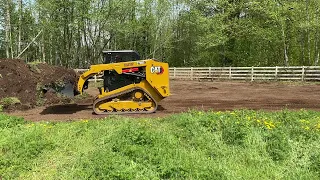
(130, 85)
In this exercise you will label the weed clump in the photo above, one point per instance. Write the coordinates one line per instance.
(233, 134)
(315, 163)
(10, 121)
(278, 146)
(9, 101)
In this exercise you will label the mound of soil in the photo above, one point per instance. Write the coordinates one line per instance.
(27, 82)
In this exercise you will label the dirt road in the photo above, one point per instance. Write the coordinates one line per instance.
(217, 96)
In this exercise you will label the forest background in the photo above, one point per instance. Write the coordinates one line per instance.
(73, 33)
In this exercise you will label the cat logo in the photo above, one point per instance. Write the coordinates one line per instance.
(157, 70)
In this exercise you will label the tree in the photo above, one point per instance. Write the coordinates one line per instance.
(181, 32)
(8, 40)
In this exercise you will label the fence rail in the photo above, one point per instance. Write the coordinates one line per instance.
(292, 73)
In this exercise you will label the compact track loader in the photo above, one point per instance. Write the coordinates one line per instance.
(130, 85)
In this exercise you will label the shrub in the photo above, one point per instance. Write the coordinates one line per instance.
(9, 101)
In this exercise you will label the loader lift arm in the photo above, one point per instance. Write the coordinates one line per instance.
(94, 70)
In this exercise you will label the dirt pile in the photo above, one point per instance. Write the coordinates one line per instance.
(27, 81)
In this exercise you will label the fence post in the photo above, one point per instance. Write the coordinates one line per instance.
(191, 73)
(95, 78)
(174, 72)
(302, 76)
(230, 72)
(276, 73)
(252, 73)
(210, 75)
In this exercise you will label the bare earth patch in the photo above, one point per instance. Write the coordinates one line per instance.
(216, 96)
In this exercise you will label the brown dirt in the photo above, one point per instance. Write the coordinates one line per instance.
(22, 81)
(216, 96)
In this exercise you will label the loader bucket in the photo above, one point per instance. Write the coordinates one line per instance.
(68, 90)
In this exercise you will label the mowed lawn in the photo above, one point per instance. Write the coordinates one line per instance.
(195, 145)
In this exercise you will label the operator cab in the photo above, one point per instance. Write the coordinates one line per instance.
(120, 56)
(113, 80)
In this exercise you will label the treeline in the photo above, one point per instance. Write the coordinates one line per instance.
(73, 33)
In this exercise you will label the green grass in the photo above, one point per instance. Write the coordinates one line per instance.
(194, 145)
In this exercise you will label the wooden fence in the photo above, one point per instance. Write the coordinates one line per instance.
(292, 73)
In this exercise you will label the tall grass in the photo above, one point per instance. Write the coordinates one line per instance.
(194, 145)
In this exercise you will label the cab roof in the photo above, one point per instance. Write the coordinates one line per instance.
(120, 51)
